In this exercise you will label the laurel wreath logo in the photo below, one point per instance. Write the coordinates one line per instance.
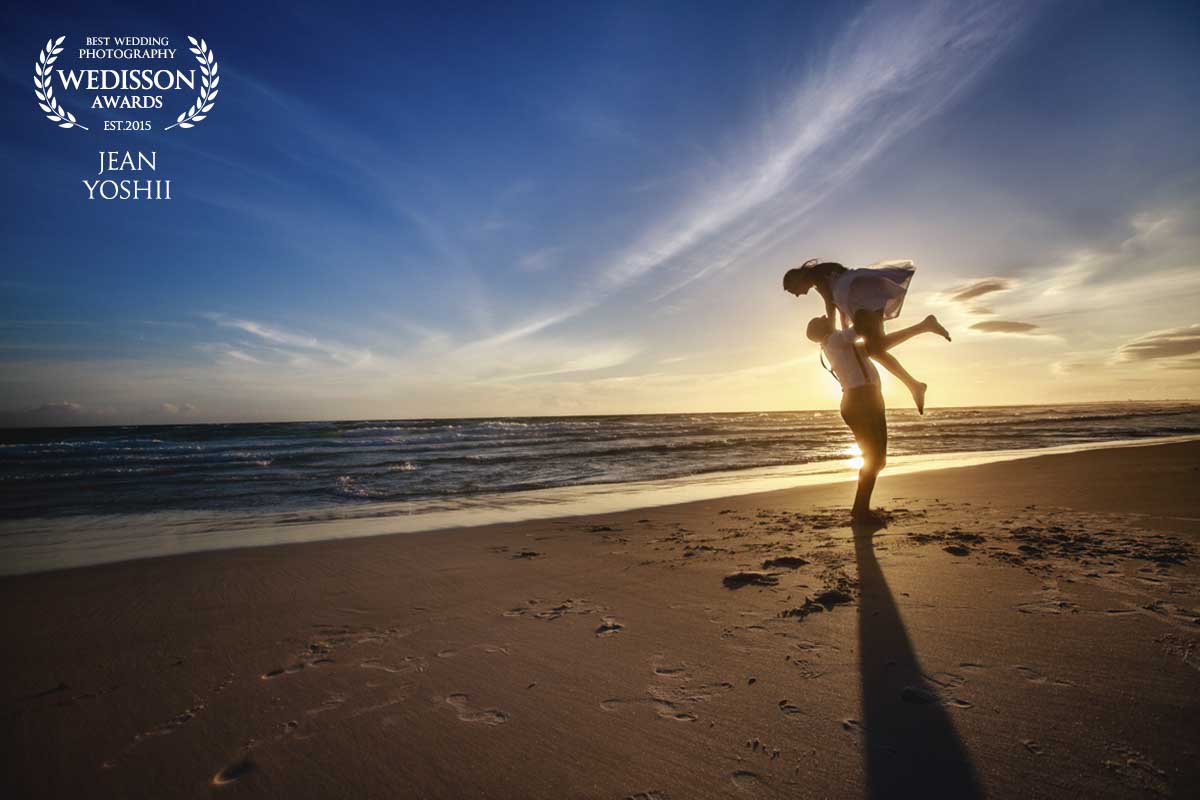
(44, 89)
(208, 86)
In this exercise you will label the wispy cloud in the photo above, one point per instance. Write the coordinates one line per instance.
(529, 327)
(1004, 326)
(268, 333)
(56, 412)
(893, 68)
(280, 356)
(60, 407)
(588, 362)
(176, 409)
(976, 289)
(287, 343)
(238, 355)
(1151, 263)
(1174, 344)
(540, 259)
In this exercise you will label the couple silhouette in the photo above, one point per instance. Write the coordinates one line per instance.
(851, 336)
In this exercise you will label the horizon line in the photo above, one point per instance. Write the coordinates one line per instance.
(5, 427)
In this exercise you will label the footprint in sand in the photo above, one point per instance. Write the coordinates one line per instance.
(1137, 771)
(281, 671)
(667, 711)
(1033, 746)
(1185, 648)
(671, 702)
(935, 689)
(946, 680)
(233, 772)
(653, 794)
(737, 580)
(789, 709)
(406, 664)
(332, 702)
(785, 562)
(663, 668)
(490, 649)
(162, 729)
(319, 653)
(745, 779)
(488, 716)
(375, 708)
(1034, 676)
(670, 672)
(176, 722)
(674, 694)
(608, 627)
(568, 606)
(663, 707)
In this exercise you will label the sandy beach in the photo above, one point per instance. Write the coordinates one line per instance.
(473, 402)
(1020, 629)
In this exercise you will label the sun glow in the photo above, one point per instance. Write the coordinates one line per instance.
(855, 459)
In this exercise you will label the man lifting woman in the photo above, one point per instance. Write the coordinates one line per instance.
(863, 299)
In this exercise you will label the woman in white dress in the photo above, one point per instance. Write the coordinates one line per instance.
(864, 298)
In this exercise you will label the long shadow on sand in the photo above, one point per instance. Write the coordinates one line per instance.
(912, 749)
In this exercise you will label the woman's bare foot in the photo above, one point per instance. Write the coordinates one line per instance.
(919, 397)
(934, 326)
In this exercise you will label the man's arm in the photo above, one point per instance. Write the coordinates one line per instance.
(831, 311)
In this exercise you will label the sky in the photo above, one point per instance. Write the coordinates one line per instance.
(444, 210)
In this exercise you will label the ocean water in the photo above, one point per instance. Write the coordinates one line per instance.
(82, 495)
(308, 465)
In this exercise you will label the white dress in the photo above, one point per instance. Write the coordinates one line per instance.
(879, 287)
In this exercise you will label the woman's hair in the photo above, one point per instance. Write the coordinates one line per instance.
(810, 272)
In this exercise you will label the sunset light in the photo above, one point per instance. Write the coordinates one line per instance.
(607, 399)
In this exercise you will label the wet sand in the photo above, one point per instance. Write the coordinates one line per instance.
(1029, 628)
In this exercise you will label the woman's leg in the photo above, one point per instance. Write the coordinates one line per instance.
(869, 325)
(928, 325)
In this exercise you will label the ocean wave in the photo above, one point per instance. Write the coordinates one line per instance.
(346, 485)
(262, 466)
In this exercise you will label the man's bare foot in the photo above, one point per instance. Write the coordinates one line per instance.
(934, 326)
(868, 517)
(919, 397)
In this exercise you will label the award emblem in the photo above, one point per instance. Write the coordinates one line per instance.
(126, 84)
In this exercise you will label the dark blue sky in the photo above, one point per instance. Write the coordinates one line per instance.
(566, 207)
